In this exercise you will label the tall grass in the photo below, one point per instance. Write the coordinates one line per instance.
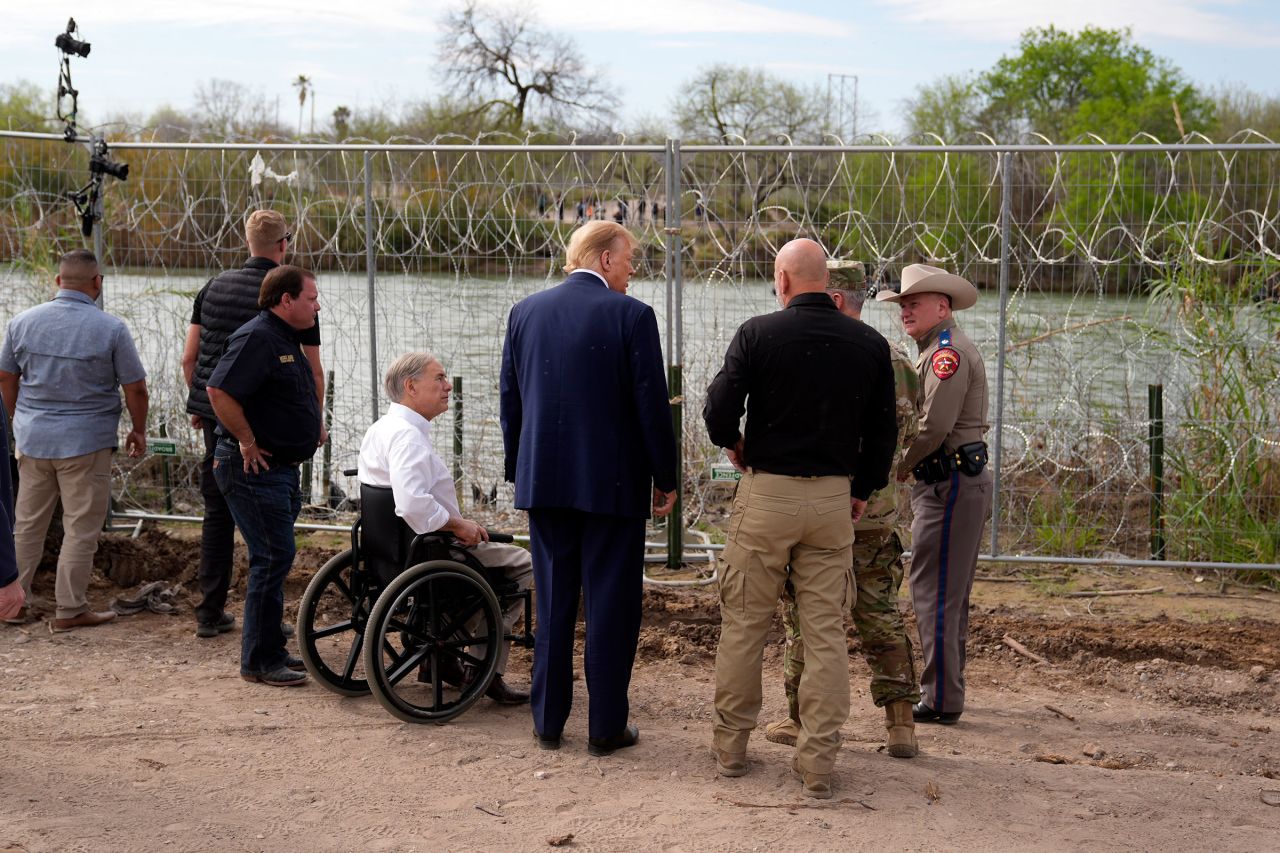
(1223, 444)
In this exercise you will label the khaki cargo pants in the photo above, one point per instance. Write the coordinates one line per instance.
(83, 484)
(776, 521)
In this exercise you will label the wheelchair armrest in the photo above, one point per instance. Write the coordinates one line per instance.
(439, 536)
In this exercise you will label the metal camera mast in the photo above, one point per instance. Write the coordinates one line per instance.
(87, 199)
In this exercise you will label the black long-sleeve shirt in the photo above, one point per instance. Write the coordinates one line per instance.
(818, 393)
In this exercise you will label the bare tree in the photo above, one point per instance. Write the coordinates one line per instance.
(504, 61)
(725, 103)
(229, 109)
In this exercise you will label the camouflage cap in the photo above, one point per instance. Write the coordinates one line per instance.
(847, 275)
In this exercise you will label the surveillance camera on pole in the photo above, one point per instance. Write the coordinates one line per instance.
(87, 199)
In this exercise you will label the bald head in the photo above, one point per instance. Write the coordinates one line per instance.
(78, 270)
(801, 267)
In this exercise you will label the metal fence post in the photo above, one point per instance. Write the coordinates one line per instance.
(1005, 159)
(675, 348)
(1155, 446)
(370, 262)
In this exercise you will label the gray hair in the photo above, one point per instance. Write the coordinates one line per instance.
(402, 370)
(856, 298)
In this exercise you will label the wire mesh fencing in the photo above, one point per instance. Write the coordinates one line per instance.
(1128, 313)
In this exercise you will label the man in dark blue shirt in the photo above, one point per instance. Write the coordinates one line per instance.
(11, 592)
(268, 412)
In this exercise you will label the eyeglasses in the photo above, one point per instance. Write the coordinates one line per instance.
(288, 235)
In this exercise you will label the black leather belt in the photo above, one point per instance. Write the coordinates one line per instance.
(969, 459)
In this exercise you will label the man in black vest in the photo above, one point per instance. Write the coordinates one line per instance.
(222, 306)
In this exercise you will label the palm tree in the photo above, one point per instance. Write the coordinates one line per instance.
(304, 86)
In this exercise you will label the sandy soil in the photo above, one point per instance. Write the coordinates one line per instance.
(138, 736)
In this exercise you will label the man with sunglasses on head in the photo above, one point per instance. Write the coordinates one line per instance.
(62, 366)
(222, 306)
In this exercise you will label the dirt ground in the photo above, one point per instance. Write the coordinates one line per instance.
(1166, 736)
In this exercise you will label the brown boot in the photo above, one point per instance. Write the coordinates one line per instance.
(88, 619)
(816, 785)
(785, 732)
(902, 729)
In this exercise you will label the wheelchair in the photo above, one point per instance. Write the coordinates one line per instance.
(416, 620)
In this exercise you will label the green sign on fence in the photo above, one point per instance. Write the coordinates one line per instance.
(162, 446)
(725, 473)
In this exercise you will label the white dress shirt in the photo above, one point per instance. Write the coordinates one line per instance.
(397, 452)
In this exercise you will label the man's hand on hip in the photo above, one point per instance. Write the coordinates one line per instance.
(255, 458)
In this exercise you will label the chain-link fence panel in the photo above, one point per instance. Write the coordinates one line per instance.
(1127, 316)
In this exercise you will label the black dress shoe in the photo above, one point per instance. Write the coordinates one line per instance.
(601, 746)
(922, 713)
(547, 741)
(451, 672)
(502, 693)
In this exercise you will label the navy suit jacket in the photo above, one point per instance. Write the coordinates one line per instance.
(586, 420)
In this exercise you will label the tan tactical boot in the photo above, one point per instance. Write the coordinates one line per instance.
(902, 729)
(816, 785)
(731, 763)
(785, 731)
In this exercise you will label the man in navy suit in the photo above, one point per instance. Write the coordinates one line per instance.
(586, 424)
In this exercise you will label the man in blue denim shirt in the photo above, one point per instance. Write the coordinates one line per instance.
(264, 395)
(61, 369)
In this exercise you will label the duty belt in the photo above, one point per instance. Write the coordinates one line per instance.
(968, 459)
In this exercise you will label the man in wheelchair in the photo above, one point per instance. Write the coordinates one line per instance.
(397, 452)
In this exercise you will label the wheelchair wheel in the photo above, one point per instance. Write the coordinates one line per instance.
(432, 642)
(332, 617)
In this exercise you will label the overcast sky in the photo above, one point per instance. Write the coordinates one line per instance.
(361, 52)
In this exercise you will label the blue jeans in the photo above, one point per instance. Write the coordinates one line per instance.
(264, 506)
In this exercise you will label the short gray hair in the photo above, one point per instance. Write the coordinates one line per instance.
(856, 298)
(402, 370)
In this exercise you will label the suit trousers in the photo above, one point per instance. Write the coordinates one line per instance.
(83, 483)
(945, 538)
(776, 521)
(603, 557)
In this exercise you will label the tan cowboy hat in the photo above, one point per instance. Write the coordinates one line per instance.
(921, 278)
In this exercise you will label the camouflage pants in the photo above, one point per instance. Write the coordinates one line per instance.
(877, 569)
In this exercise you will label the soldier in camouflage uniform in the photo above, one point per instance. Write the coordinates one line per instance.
(877, 564)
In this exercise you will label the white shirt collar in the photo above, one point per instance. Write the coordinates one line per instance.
(410, 417)
(594, 273)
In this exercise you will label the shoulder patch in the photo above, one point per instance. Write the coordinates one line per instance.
(945, 363)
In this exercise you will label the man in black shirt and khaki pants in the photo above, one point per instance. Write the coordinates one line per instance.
(820, 436)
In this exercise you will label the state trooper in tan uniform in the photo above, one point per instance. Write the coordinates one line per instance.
(877, 564)
(951, 498)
